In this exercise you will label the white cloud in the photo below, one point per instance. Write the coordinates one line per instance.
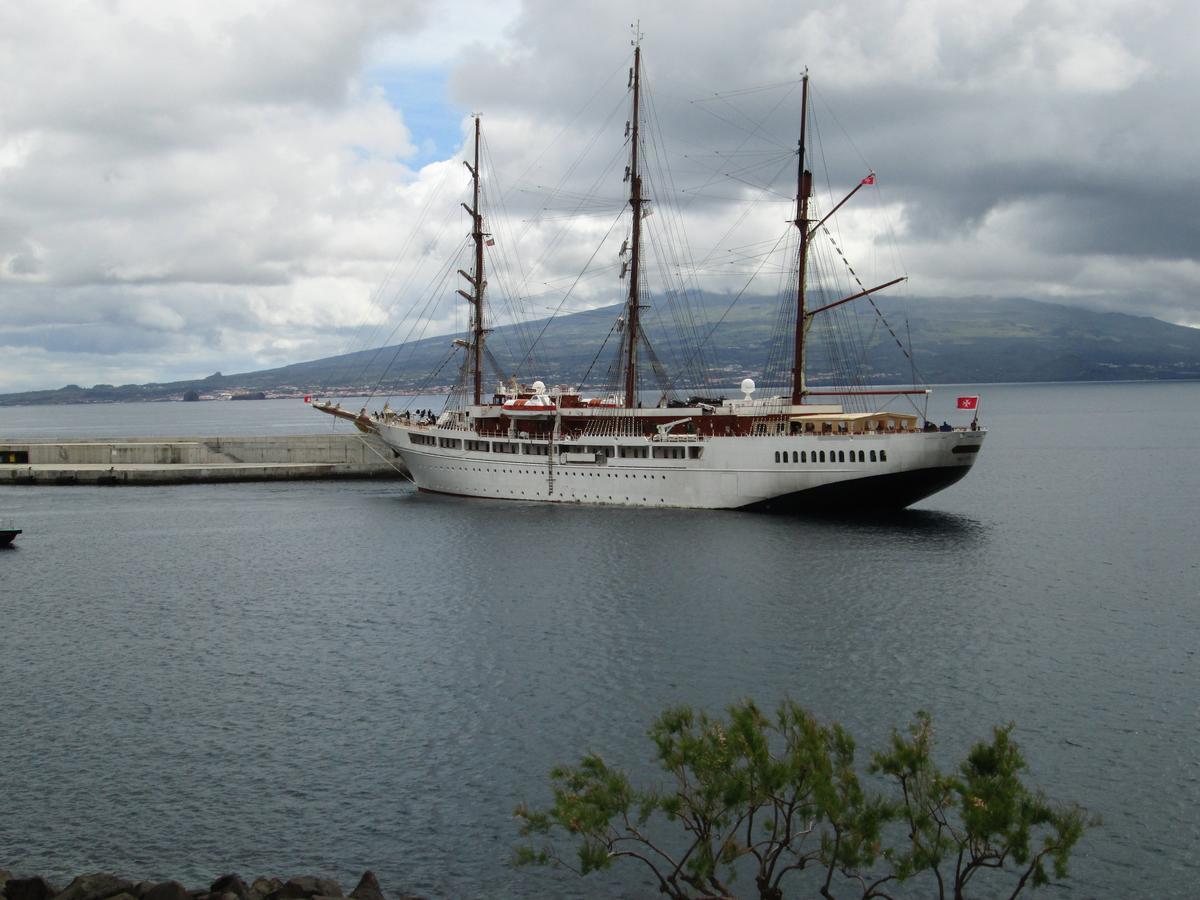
(192, 187)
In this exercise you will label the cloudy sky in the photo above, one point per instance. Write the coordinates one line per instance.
(188, 187)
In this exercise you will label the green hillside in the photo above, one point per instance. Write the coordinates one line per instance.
(953, 341)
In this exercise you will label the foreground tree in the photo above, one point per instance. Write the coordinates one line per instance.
(779, 799)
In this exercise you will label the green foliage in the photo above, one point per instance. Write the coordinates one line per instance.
(780, 798)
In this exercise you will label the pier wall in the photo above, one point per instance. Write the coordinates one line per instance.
(179, 460)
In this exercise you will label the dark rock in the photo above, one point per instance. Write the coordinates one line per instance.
(230, 884)
(35, 888)
(97, 886)
(368, 888)
(140, 889)
(167, 890)
(261, 888)
(311, 886)
(4, 876)
(306, 886)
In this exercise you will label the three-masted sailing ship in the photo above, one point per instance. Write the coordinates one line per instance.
(794, 452)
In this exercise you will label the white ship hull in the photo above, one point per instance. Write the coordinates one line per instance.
(803, 473)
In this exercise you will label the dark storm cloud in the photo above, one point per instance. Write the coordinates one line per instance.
(1046, 144)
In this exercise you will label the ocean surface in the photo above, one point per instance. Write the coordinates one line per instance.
(330, 677)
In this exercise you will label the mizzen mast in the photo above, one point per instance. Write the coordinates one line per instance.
(635, 201)
(475, 279)
(803, 192)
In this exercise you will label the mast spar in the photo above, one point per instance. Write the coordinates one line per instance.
(476, 279)
(635, 202)
(803, 192)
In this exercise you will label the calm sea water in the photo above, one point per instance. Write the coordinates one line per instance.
(328, 677)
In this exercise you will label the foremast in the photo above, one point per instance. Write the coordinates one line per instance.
(632, 323)
(475, 279)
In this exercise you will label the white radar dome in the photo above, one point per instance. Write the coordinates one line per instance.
(539, 387)
(748, 387)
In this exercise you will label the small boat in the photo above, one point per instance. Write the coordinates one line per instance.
(538, 406)
(8, 535)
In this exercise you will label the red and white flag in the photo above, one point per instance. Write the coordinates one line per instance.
(870, 179)
(968, 402)
(308, 398)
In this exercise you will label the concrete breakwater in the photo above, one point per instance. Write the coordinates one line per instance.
(104, 886)
(182, 460)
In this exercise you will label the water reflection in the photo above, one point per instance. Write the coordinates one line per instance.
(923, 524)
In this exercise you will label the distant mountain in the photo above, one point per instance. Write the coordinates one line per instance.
(953, 341)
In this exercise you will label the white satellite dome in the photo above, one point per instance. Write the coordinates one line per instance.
(748, 387)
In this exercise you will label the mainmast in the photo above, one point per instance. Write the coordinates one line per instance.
(803, 192)
(635, 201)
(476, 279)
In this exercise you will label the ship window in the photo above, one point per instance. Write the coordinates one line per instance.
(795, 456)
(822, 456)
(450, 443)
(776, 456)
(14, 457)
(426, 439)
(862, 457)
(872, 456)
(883, 456)
(695, 452)
(803, 456)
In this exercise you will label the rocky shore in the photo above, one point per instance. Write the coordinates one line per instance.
(103, 886)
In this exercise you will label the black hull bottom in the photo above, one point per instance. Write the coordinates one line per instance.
(858, 496)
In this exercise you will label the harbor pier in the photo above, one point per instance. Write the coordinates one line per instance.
(185, 460)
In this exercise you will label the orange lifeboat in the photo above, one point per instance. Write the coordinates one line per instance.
(533, 408)
(537, 406)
